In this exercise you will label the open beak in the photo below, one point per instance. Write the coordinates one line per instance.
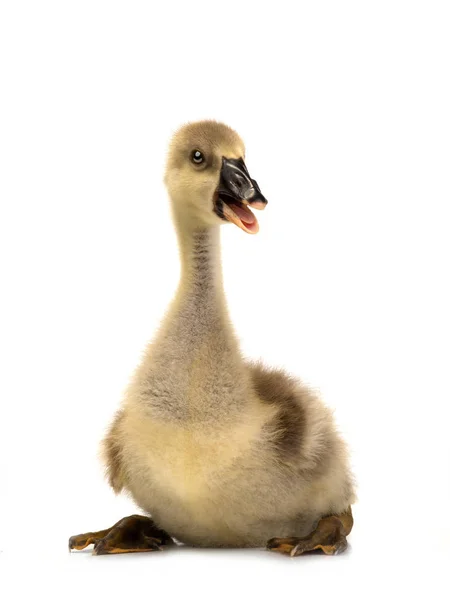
(236, 193)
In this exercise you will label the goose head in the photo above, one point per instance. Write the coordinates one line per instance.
(207, 180)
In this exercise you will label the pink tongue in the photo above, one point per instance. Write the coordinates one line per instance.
(245, 215)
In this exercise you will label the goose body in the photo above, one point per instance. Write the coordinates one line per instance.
(218, 450)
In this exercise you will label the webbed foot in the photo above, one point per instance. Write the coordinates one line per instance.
(329, 536)
(131, 534)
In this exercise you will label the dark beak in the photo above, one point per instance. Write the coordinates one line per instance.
(236, 182)
(236, 192)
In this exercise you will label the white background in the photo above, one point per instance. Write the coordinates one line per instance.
(344, 107)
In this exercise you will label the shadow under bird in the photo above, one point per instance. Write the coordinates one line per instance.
(219, 451)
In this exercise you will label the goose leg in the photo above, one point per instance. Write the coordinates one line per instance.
(131, 534)
(329, 536)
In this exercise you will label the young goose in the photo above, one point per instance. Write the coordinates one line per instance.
(219, 451)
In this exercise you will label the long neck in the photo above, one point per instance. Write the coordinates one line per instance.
(201, 282)
(196, 365)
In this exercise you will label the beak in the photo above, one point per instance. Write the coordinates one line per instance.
(236, 192)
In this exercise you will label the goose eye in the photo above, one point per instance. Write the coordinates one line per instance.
(197, 157)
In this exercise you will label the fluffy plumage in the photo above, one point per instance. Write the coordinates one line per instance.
(218, 450)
